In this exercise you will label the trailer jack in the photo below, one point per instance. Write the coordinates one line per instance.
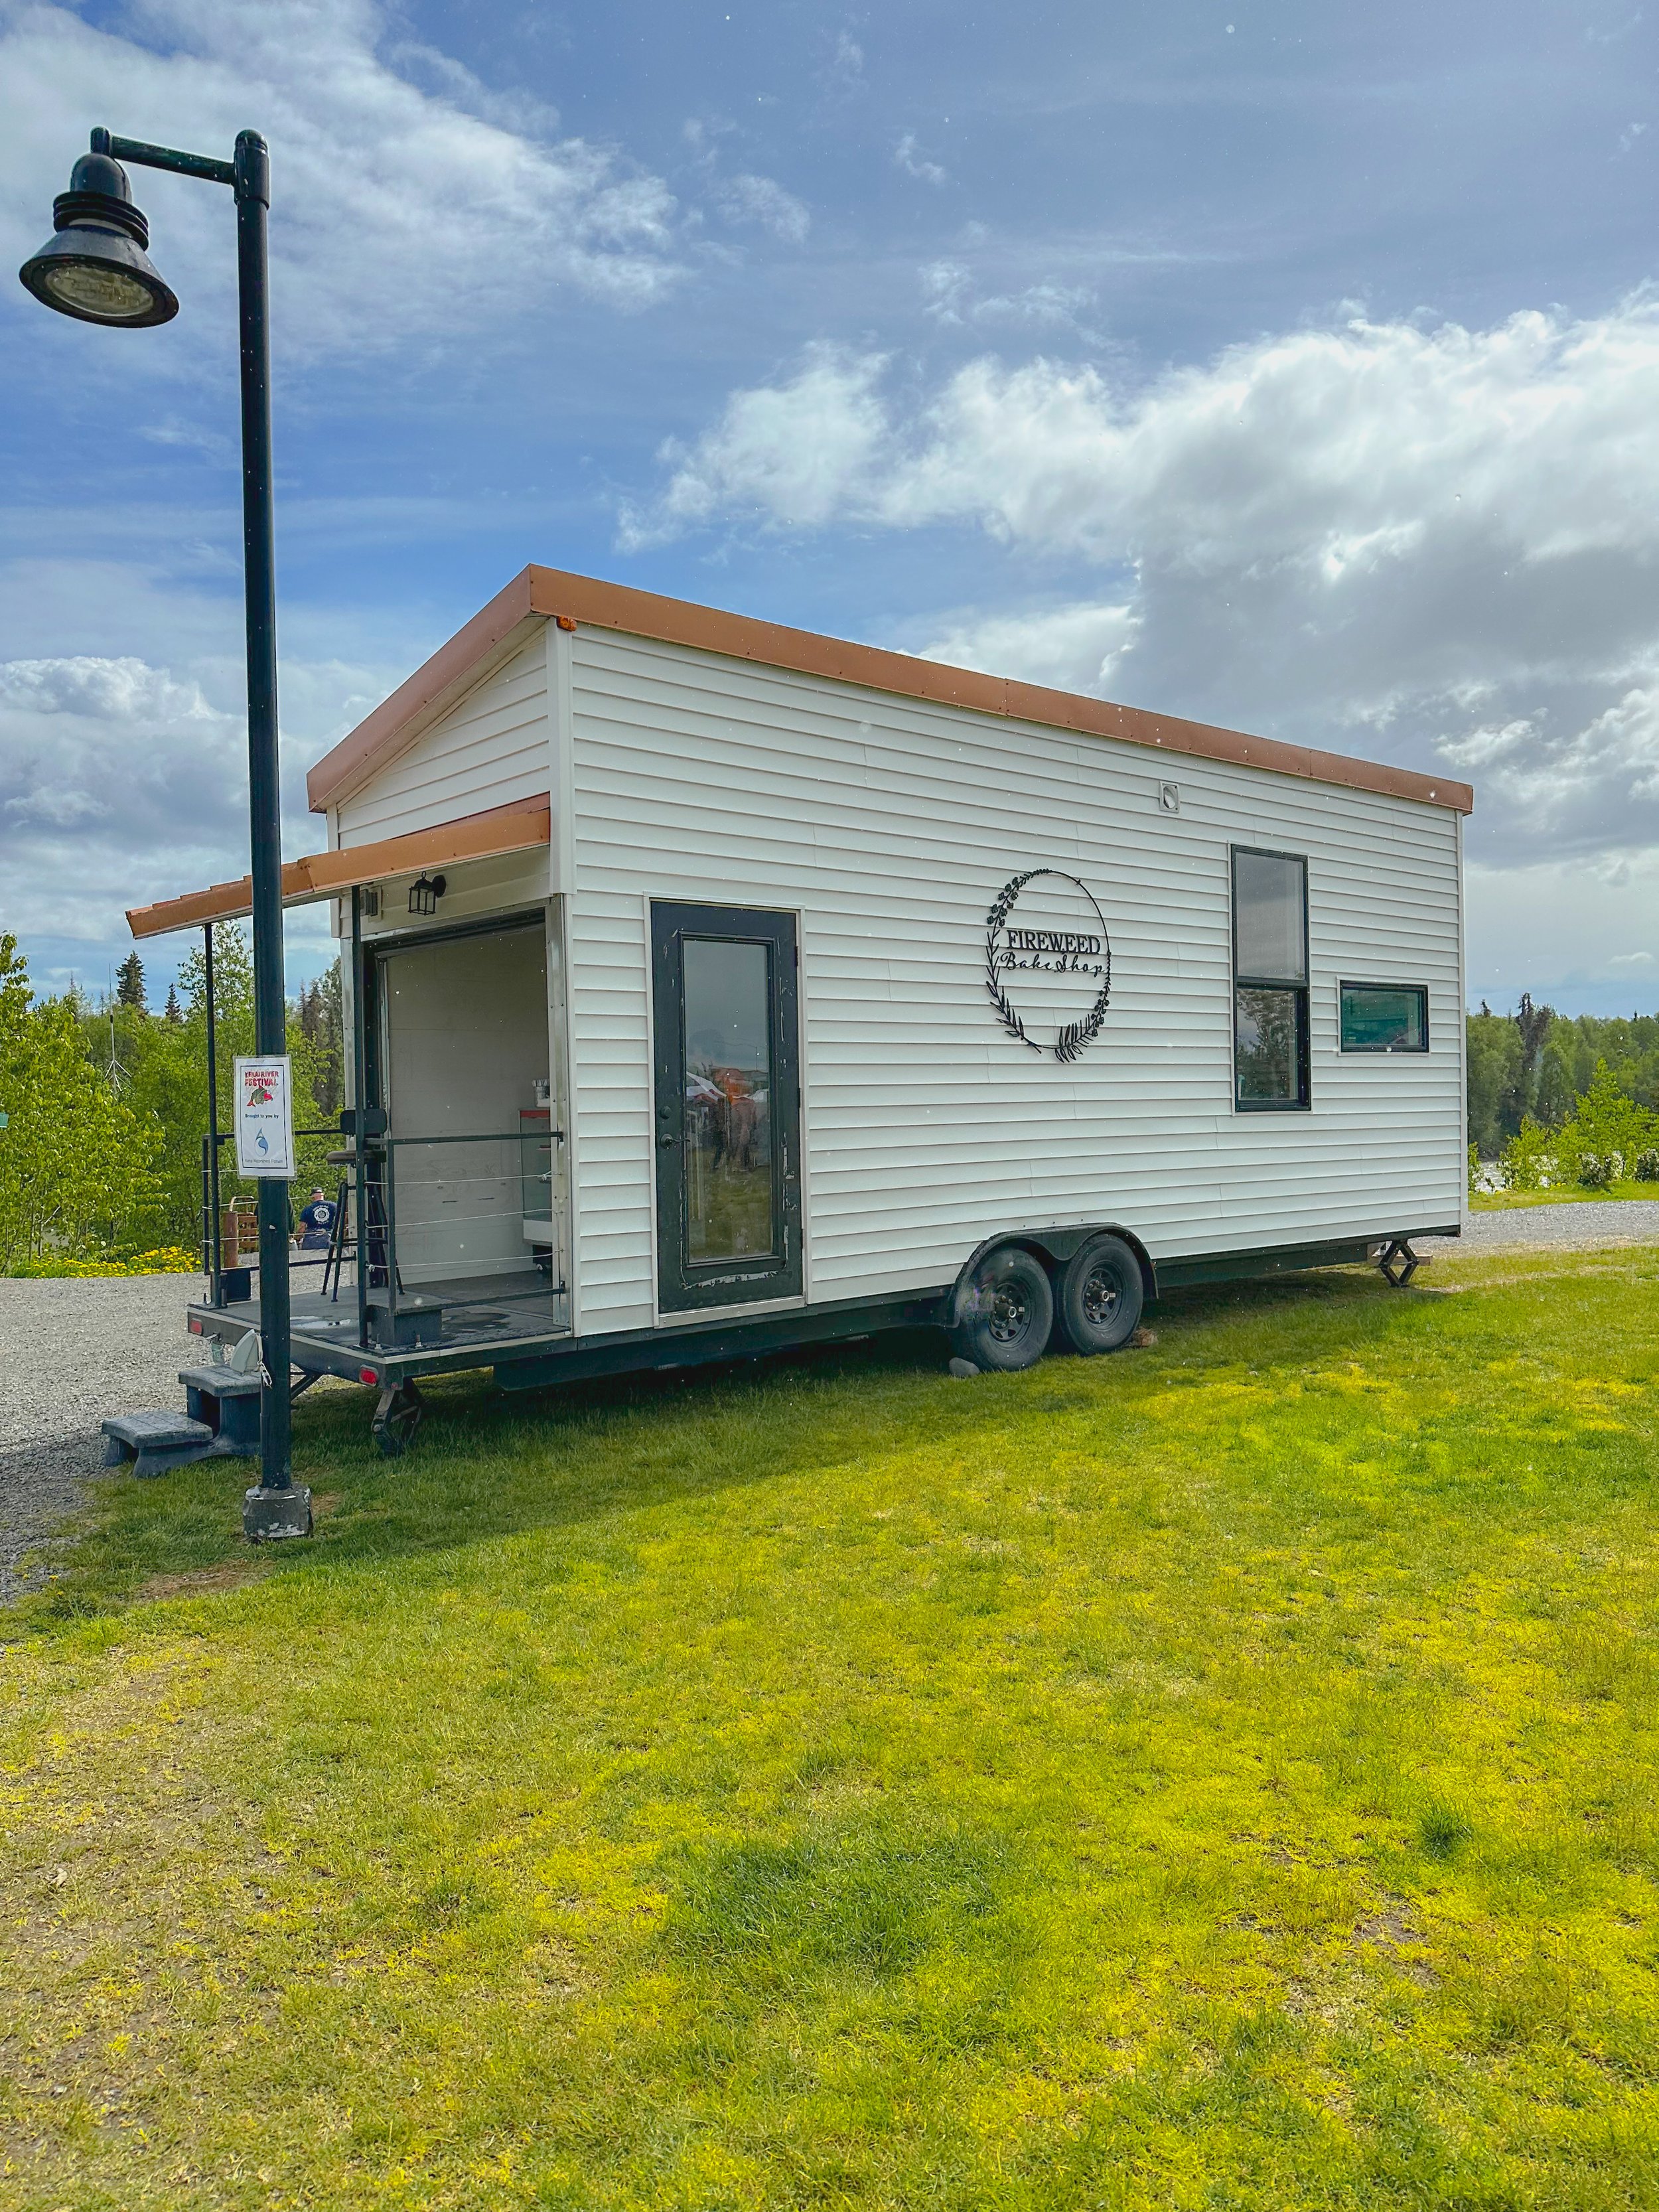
(1399, 1263)
(399, 1414)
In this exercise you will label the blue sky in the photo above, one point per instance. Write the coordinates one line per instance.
(1293, 367)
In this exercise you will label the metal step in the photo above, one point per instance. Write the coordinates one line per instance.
(155, 1442)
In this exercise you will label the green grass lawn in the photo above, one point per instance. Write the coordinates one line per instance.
(1220, 1776)
(1504, 1201)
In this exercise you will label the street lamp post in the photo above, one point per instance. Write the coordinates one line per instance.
(96, 268)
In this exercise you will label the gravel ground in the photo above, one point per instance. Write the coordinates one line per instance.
(73, 1350)
(1577, 1228)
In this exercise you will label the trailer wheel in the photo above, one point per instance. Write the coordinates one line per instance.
(1101, 1296)
(1008, 1312)
(397, 1417)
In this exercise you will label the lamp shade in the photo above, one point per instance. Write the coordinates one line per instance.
(96, 267)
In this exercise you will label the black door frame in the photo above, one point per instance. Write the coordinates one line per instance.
(684, 1285)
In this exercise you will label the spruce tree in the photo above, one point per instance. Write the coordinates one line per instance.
(130, 982)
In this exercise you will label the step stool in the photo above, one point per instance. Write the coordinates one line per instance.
(155, 1442)
(417, 1322)
(228, 1402)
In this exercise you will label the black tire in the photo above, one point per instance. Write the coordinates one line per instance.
(1101, 1295)
(1007, 1312)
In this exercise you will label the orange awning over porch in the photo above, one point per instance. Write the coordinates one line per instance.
(518, 826)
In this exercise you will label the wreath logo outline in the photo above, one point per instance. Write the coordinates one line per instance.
(1074, 1035)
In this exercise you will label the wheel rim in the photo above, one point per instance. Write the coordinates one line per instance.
(1101, 1298)
(1011, 1313)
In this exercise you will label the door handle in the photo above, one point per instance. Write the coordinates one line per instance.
(666, 1140)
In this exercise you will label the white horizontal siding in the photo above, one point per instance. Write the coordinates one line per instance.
(490, 748)
(475, 889)
(892, 825)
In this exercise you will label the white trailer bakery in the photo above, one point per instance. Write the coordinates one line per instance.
(718, 986)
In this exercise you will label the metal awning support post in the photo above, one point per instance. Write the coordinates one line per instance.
(216, 1263)
(359, 1104)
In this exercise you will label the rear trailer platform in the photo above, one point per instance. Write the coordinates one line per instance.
(528, 1354)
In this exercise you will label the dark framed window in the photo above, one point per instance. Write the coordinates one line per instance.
(1270, 981)
(1385, 1016)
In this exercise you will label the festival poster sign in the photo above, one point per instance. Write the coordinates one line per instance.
(264, 1117)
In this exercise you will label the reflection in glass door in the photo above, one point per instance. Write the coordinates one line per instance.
(730, 1208)
(727, 1117)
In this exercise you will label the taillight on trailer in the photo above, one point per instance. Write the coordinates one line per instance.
(367, 1374)
(195, 1326)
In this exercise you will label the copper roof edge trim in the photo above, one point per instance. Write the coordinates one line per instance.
(518, 826)
(555, 594)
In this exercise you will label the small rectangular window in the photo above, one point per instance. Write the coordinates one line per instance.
(1384, 1018)
(1270, 981)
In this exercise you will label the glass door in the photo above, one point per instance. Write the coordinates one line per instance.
(727, 1119)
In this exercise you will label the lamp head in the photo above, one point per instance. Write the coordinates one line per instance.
(95, 266)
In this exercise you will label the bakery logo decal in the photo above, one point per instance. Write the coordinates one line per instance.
(1049, 961)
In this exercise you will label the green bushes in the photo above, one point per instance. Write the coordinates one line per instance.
(101, 1160)
(77, 1164)
(1608, 1139)
(1537, 1063)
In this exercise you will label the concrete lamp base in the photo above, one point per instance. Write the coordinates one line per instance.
(270, 1515)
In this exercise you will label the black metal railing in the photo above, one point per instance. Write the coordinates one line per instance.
(213, 1207)
(430, 1219)
(390, 1222)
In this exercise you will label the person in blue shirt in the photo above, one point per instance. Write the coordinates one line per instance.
(316, 1224)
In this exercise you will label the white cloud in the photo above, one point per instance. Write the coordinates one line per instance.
(1434, 542)
(400, 209)
(762, 200)
(99, 690)
(793, 449)
(948, 296)
(1571, 934)
(745, 197)
(906, 156)
(845, 67)
(112, 773)
(1076, 649)
(945, 286)
(123, 781)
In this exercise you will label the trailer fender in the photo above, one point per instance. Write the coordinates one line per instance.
(1054, 1247)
